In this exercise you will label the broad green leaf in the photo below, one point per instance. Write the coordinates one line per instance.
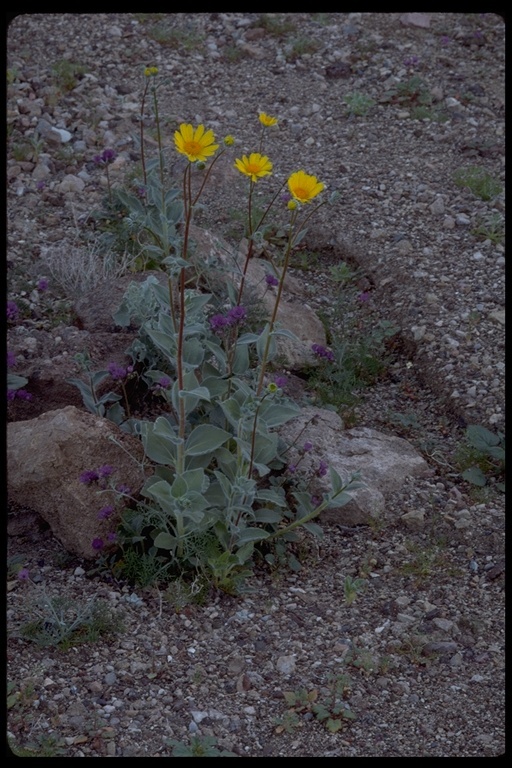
(164, 540)
(241, 359)
(266, 515)
(276, 414)
(252, 534)
(193, 352)
(315, 529)
(231, 409)
(196, 480)
(261, 344)
(475, 476)
(481, 438)
(159, 448)
(287, 333)
(205, 439)
(274, 496)
(15, 382)
(179, 487)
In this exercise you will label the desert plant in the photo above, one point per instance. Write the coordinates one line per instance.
(328, 705)
(209, 503)
(491, 228)
(483, 456)
(479, 181)
(199, 746)
(358, 103)
(61, 621)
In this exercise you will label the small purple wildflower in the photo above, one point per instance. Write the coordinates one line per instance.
(285, 197)
(236, 315)
(315, 500)
(364, 296)
(40, 185)
(12, 310)
(97, 544)
(321, 351)
(281, 381)
(20, 394)
(446, 40)
(307, 446)
(271, 279)
(11, 359)
(410, 62)
(111, 536)
(106, 157)
(322, 468)
(292, 468)
(164, 382)
(42, 284)
(122, 488)
(89, 476)
(105, 512)
(106, 470)
(141, 191)
(117, 371)
(23, 575)
(218, 322)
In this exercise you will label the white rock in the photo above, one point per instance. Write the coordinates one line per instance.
(286, 664)
(71, 183)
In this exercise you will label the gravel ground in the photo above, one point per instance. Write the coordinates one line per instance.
(422, 646)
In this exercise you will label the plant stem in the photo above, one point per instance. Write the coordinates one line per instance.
(276, 304)
(142, 156)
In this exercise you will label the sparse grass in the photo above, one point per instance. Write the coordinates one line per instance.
(275, 24)
(299, 46)
(67, 74)
(358, 103)
(234, 54)
(60, 621)
(478, 181)
(185, 38)
(491, 228)
(40, 746)
(82, 268)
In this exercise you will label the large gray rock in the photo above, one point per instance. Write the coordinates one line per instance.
(47, 455)
(383, 461)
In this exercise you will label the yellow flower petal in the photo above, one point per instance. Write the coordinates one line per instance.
(304, 187)
(267, 119)
(255, 166)
(195, 144)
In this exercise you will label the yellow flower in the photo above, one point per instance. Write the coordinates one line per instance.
(304, 187)
(149, 71)
(291, 205)
(267, 119)
(229, 141)
(195, 144)
(255, 165)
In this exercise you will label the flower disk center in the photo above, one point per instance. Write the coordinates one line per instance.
(192, 147)
(253, 168)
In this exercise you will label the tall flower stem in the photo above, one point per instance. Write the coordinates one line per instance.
(142, 154)
(160, 150)
(251, 232)
(276, 304)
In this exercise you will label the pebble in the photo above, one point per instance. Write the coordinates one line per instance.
(437, 207)
(71, 183)
(286, 664)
